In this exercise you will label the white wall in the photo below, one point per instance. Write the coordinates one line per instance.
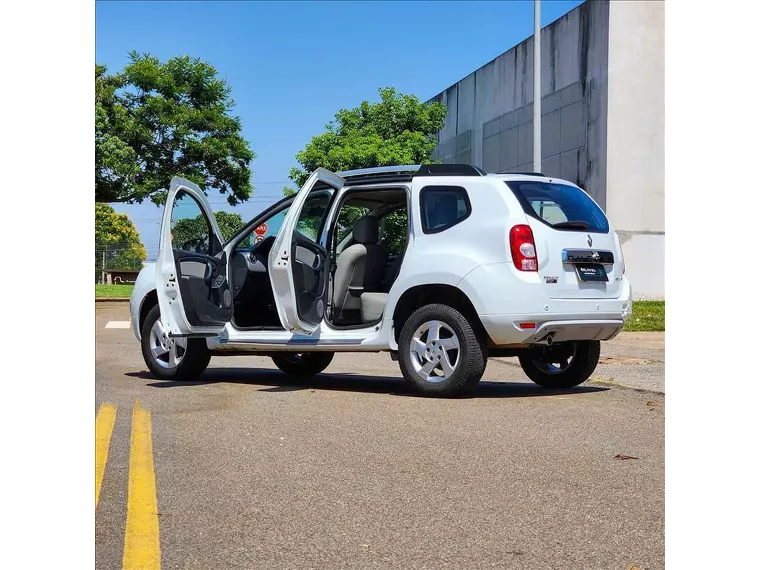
(635, 140)
(668, 147)
(489, 121)
(603, 119)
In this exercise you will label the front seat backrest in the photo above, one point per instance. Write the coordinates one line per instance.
(359, 267)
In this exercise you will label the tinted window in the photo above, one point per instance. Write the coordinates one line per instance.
(442, 207)
(190, 230)
(560, 205)
(313, 214)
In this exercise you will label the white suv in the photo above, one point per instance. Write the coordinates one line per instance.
(440, 265)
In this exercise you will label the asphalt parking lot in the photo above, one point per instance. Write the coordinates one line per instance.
(247, 468)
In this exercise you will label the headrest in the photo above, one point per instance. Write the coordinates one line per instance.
(366, 231)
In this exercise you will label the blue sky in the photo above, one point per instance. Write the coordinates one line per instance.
(292, 65)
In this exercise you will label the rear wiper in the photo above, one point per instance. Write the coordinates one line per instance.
(571, 225)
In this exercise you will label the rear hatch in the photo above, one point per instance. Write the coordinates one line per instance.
(578, 253)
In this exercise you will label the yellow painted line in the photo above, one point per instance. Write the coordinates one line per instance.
(141, 544)
(103, 429)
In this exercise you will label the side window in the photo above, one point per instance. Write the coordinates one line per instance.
(269, 227)
(308, 224)
(313, 212)
(442, 207)
(191, 230)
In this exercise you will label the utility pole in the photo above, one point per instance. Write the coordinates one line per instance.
(536, 85)
(103, 269)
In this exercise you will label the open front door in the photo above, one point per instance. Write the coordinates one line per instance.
(191, 271)
(298, 262)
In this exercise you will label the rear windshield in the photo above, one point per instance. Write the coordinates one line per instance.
(561, 206)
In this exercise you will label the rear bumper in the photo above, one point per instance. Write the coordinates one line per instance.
(503, 300)
(507, 329)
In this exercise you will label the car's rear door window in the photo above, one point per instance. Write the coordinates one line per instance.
(560, 206)
(443, 207)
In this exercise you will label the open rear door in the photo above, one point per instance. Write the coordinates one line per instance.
(191, 271)
(298, 262)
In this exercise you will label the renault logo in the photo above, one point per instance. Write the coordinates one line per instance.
(590, 241)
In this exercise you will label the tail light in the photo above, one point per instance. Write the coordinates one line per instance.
(523, 248)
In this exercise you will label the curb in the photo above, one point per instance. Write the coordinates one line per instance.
(112, 299)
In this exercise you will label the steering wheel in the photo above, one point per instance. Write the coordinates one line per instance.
(257, 258)
(193, 244)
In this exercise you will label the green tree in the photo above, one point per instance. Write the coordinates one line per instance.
(229, 223)
(396, 130)
(154, 120)
(188, 229)
(117, 242)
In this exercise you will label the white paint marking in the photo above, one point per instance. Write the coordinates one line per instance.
(117, 325)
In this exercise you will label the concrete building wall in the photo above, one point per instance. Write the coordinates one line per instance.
(636, 140)
(602, 80)
(490, 112)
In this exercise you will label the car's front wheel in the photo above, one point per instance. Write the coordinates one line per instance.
(440, 352)
(182, 359)
(303, 363)
(562, 366)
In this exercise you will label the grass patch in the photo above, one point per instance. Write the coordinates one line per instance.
(647, 316)
(122, 291)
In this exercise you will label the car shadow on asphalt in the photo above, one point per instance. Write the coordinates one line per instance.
(275, 381)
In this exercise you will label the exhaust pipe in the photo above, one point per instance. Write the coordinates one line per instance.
(550, 339)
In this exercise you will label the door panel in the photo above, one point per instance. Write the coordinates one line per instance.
(310, 277)
(205, 291)
(298, 264)
(193, 292)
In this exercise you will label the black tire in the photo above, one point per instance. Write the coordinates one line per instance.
(304, 363)
(580, 368)
(470, 362)
(194, 361)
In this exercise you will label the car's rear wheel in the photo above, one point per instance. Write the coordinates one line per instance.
(562, 365)
(440, 353)
(303, 363)
(182, 359)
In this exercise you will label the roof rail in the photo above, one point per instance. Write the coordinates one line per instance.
(527, 173)
(408, 168)
(450, 170)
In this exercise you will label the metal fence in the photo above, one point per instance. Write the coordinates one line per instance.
(119, 260)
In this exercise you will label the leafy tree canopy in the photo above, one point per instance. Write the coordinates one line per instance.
(188, 229)
(396, 130)
(154, 120)
(117, 241)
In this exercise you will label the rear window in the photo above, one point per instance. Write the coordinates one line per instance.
(560, 206)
